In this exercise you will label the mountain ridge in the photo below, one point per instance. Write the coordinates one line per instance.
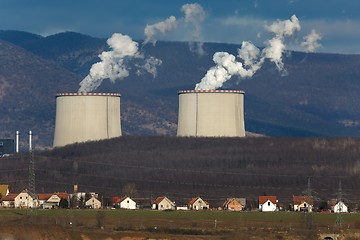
(318, 97)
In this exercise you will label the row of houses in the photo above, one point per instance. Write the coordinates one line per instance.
(25, 199)
(299, 204)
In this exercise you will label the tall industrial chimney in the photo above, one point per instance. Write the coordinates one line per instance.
(211, 113)
(30, 141)
(17, 142)
(82, 117)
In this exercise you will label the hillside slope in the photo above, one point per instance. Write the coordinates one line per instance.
(318, 96)
(182, 168)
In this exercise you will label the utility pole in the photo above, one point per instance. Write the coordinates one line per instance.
(339, 216)
(309, 196)
(309, 218)
(31, 190)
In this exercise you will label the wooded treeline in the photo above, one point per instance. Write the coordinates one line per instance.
(182, 168)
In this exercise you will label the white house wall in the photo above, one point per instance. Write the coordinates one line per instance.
(128, 203)
(340, 207)
(268, 206)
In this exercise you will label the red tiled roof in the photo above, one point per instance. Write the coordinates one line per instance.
(159, 199)
(301, 199)
(122, 199)
(10, 197)
(263, 199)
(44, 196)
(64, 195)
(115, 199)
(192, 201)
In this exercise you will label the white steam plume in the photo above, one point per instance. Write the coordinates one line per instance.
(276, 46)
(311, 41)
(165, 26)
(113, 63)
(149, 66)
(227, 66)
(195, 15)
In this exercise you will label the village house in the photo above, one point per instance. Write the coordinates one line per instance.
(338, 206)
(234, 204)
(52, 200)
(42, 198)
(78, 199)
(267, 203)
(198, 204)
(303, 203)
(163, 203)
(9, 200)
(93, 203)
(20, 200)
(125, 203)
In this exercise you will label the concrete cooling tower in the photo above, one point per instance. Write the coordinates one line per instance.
(82, 117)
(211, 113)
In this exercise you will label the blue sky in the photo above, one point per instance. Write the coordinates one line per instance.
(231, 21)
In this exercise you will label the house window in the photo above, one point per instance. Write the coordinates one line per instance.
(20, 197)
(268, 203)
(128, 201)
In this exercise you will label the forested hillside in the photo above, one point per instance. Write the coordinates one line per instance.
(318, 96)
(182, 168)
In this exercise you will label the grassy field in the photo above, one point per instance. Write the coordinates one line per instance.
(184, 224)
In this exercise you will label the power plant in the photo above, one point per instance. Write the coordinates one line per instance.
(82, 117)
(211, 113)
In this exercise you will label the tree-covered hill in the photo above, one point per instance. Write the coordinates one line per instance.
(318, 96)
(182, 168)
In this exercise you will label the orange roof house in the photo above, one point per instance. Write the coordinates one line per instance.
(233, 204)
(303, 203)
(198, 204)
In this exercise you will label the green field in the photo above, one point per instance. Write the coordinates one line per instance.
(199, 224)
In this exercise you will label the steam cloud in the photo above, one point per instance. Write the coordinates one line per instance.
(162, 27)
(311, 41)
(194, 15)
(227, 65)
(113, 64)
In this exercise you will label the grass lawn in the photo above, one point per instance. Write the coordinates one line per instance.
(206, 224)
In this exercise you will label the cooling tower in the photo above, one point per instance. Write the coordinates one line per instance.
(211, 113)
(82, 117)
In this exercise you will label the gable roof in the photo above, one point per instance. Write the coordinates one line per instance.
(64, 195)
(263, 199)
(10, 197)
(4, 188)
(297, 200)
(159, 199)
(192, 201)
(93, 198)
(233, 201)
(124, 198)
(334, 202)
(44, 196)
